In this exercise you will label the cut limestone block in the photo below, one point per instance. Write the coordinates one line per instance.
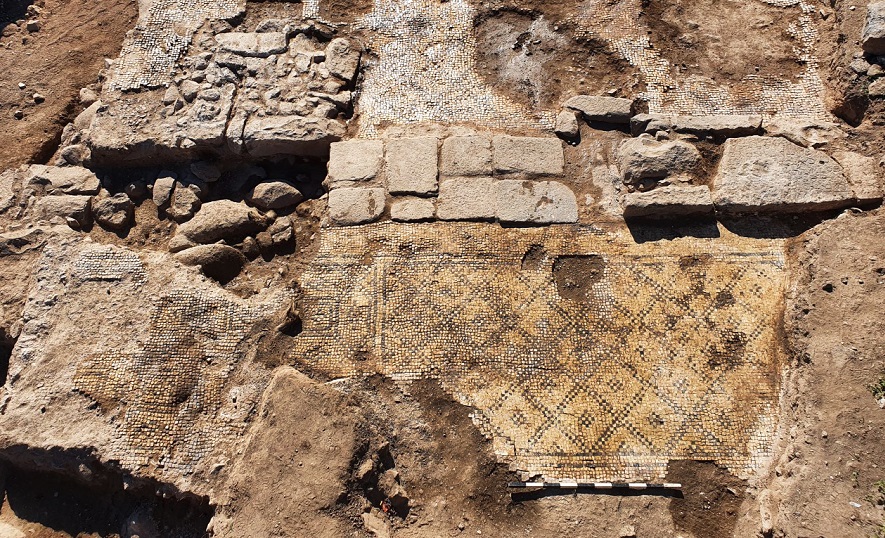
(601, 109)
(355, 205)
(535, 202)
(669, 201)
(412, 209)
(466, 199)
(412, 166)
(528, 155)
(466, 156)
(355, 160)
(760, 174)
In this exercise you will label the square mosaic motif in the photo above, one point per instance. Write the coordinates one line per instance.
(639, 355)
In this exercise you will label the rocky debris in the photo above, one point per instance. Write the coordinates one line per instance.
(136, 190)
(354, 160)
(390, 488)
(375, 524)
(356, 205)
(715, 125)
(601, 109)
(863, 174)
(567, 124)
(63, 179)
(342, 58)
(627, 531)
(162, 189)
(412, 209)
(760, 174)
(74, 209)
(275, 195)
(254, 94)
(806, 133)
(185, 202)
(873, 39)
(113, 212)
(466, 156)
(220, 262)
(412, 165)
(528, 155)
(645, 161)
(281, 231)
(222, 219)
(669, 201)
(466, 199)
(535, 202)
(258, 45)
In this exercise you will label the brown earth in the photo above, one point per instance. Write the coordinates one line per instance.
(65, 55)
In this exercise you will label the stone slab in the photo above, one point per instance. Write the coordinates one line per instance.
(535, 202)
(602, 109)
(258, 45)
(528, 155)
(412, 165)
(669, 201)
(355, 205)
(468, 198)
(355, 160)
(412, 209)
(466, 156)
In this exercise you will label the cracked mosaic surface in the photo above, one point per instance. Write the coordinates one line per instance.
(670, 353)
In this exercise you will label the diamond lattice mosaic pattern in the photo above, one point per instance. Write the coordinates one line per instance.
(671, 352)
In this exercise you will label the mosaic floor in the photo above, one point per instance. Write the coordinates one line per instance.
(585, 356)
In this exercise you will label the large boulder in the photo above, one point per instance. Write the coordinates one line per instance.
(601, 109)
(645, 158)
(114, 212)
(760, 174)
(222, 219)
(535, 202)
(63, 179)
(220, 262)
(275, 195)
(669, 201)
(873, 39)
(355, 205)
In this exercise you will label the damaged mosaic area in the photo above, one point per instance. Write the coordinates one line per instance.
(585, 356)
(426, 70)
(162, 36)
(175, 397)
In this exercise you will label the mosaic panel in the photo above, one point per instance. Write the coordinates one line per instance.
(107, 263)
(667, 351)
(161, 38)
(174, 395)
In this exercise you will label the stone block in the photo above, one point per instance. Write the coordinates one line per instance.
(355, 160)
(355, 205)
(342, 58)
(567, 124)
(602, 109)
(269, 136)
(412, 209)
(863, 174)
(469, 198)
(645, 158)
(873, 40)
(113, 212)
(252, 44)
(222, 219)
(715, 125)
(528, 155)
(761, 174)
(876, 89)
(412, 165)
(466, 156)
(535, 202)
(76, 210)
(669, 201)
(275, 195)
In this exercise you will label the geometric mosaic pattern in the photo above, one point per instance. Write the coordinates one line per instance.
(670, 353)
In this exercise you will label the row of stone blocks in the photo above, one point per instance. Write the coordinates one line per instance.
(472, 177)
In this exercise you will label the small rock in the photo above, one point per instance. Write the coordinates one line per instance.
(32, 25)
(875, 70)
(627, 531)
(18, 114)
(206, 171)
(189, 90)
(136, 190)
(38, 98)
(567, 124)
(222, 219)
(342, 58)
(184, 203)
(75, 154)
(21, 85)
(877, 89)
(376, 525)
(859, 66)
(163, 186)
(114, 212)
(220, 262)
(88, 96)
(275, 195)
(873, 38)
